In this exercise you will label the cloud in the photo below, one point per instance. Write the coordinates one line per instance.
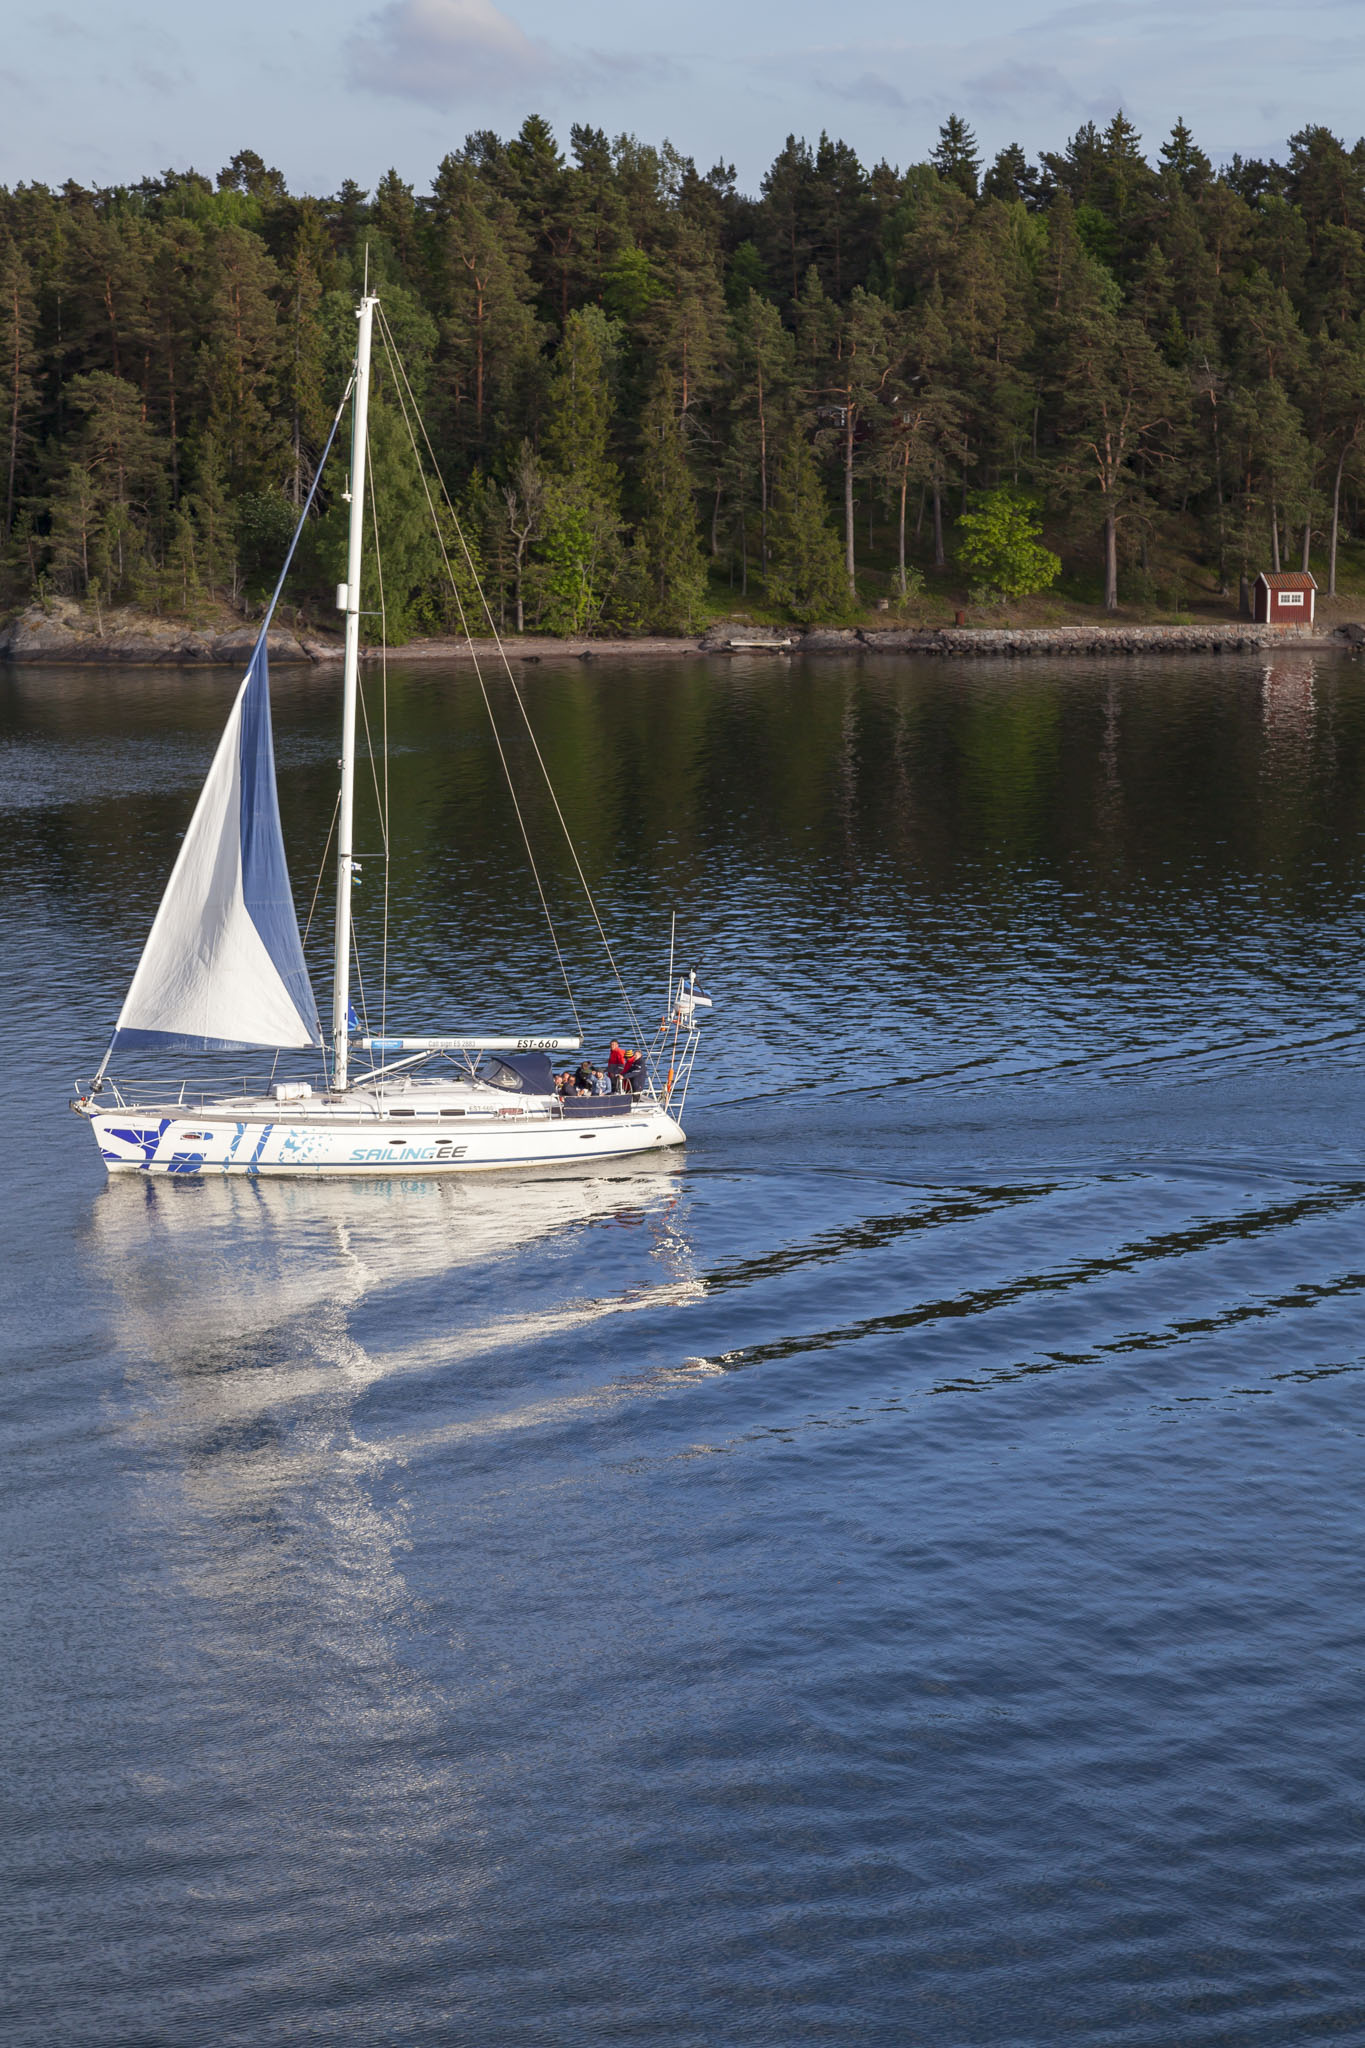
(1014, 88)
(870, 88)
(650, 68)
(1034, 72)
(441, 51)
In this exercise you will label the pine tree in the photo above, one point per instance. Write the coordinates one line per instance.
(807, 574)
(210, 509)
(1011, 177)
(1185, 160)
(18, 363)
(683, 323)
(599, 209)
(842, 217)
(925, 233)
(956, 157)
(250, 173)
(576, 435)
(489, 334)
(1127, 174)
(667, 548)
(578, 550)
(537, 180)
(75, 548)
(864, 356)
(783, 237)
(765, 367)
(1274, 467)
(174, 323)
(393, 214)
(990, 315)
(935, 433)
(1340, 379)
(304, 341)
(110, 484)
(103, 285)
(745, 273)
(1122, 414)
(241, 360)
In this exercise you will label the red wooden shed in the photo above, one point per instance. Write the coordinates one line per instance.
(1285, 600)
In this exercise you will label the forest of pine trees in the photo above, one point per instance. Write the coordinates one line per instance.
(651, 395)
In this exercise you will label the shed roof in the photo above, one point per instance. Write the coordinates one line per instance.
(1291, 579)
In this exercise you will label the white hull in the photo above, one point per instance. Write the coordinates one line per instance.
(360, 1137)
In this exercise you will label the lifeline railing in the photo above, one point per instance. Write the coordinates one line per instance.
(148, 1090)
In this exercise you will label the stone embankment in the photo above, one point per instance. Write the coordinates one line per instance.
(63, 631)
(1240, 638)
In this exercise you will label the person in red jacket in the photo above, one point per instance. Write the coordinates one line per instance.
(616, 1066)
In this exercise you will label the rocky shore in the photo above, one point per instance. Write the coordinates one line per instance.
(63, 631)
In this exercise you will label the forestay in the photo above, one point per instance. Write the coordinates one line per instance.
(223, 967)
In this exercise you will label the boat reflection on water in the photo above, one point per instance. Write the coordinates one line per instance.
(240, 1295)
(256, 1317)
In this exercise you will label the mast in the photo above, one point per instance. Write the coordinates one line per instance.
(349, 600)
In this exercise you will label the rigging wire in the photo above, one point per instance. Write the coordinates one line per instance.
(402, 386)
(322, 868)
(360, 981)
(383, 828)
(374, 771)
(400, 379)
(317, 891)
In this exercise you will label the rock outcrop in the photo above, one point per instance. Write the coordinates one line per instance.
(903, 640)
(63, 631)
(728, 638)
(830, 640)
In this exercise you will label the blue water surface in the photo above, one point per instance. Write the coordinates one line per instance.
(890, 1574)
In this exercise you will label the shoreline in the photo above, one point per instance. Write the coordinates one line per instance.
(947, 642)
(65, 635)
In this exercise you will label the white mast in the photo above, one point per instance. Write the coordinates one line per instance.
(349, 599)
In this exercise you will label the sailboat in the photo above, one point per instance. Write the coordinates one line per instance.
(223, 970)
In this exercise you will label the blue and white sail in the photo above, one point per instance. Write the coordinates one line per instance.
(223, 967)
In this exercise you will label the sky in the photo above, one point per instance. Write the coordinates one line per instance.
(330, 89)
